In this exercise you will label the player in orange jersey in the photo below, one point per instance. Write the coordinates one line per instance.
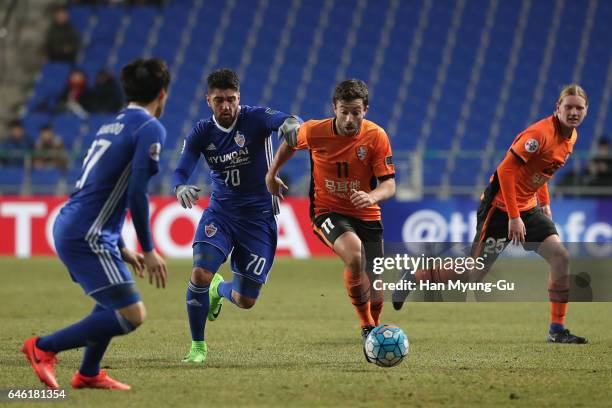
(515, 207)
(352, 171)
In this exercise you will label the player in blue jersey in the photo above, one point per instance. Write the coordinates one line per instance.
(116, 171)
(240, 219)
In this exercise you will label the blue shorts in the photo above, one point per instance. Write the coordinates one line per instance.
(251, 243)
(97, 266)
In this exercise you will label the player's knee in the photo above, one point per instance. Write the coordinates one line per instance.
(135, 314)
(201, 277)
(560, 258)
(354, 262)
(244, 302)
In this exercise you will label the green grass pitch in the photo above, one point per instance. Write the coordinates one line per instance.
(300, 346)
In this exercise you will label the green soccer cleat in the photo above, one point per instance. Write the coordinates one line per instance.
(216, 301)
(197, 353)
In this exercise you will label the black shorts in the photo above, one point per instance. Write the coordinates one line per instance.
(492, 231)
(329, 226)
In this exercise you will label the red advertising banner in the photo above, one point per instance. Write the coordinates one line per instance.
(26, 225)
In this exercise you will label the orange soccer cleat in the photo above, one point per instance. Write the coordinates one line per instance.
(102, 381)
(43, 362)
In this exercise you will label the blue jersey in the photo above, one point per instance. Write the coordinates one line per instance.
(127, 146)
(238, 158)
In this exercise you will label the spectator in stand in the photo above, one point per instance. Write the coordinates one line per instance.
(16, 146)
(75, 94)
(105, 96)
(49, 150)
(63, 40)
(599, 170)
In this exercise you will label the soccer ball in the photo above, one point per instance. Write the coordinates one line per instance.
(386, 345)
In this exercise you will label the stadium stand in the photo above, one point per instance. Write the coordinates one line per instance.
(461, 77)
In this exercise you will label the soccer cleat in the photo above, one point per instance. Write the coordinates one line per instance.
(197, 353)
(101, 381)
(216, 301)
(399, 296)
(365, 331)
(43, 362)
(565, 337)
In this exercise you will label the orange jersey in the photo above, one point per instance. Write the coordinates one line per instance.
(542, 150)
(341, 164)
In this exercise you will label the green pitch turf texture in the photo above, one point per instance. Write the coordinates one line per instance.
(300, 346)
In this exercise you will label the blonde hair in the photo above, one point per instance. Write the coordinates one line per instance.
(573, 90)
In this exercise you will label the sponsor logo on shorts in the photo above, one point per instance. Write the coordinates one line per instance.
(210, 230)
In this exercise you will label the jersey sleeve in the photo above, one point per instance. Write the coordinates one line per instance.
(149, 141)
(528, 145)
(150, 138)
(506, 173)
(189, 157)
(271, 118)
(382, 163)
(303, 137)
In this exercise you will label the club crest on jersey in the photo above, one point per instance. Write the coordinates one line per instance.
(210, 230)
(239, 139)
(531, 145)
(154, 151)
(362, 152)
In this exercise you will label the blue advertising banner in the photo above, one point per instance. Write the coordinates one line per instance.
(454, 220)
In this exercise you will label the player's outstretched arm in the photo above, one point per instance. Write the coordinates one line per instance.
(186, 194)
(274, 184)
(506, 172)
(139, 208)
(544, 200)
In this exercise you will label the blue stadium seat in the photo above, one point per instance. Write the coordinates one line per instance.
(417, 90)
(44, 181)
(68, 126)
(11, 180)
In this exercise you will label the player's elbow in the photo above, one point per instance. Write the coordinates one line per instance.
(389, 189)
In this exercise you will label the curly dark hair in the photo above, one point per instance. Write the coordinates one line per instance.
(350, 90)
(223, 78)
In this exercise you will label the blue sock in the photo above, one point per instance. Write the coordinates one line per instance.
(556, 328)
(197, 309)
(90, 366)
(97, 327)
(225, 290)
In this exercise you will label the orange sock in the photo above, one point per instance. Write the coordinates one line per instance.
(558, 294)
(375, 311)
(358, 289)
(557, 312)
